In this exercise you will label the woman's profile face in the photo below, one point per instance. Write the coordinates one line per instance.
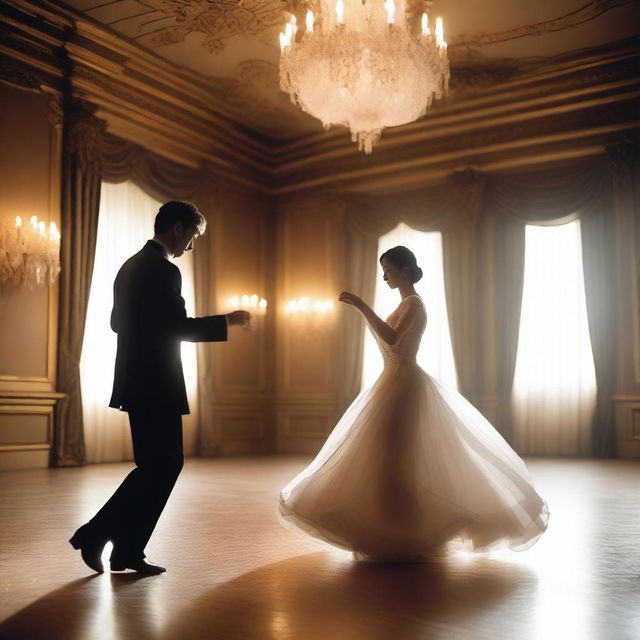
(391, 274)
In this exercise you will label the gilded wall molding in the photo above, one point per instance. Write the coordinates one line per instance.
(84, 132)
(20, 75)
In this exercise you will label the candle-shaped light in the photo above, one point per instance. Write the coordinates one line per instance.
(54, 234)
(390, 7)
(234, 301)
(425, 25)
(42, 228)
(340, 12)
(245, 301)
(262, 305)
(34, 222)
(309, 21)
(294, 27)
(283, 42)
(18, 222)
(440, 33)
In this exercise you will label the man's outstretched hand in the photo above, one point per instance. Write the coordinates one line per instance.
(240, 318)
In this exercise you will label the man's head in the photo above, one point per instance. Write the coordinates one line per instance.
(177, 225)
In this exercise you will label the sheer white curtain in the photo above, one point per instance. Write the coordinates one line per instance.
(554, 388)
(125, 223)
(436, 352)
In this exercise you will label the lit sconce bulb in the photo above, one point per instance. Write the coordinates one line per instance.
(425, 25)
(390, 6)
(42, 228)
(440, 33)
(34, 222)
(54, 234)
(294, 26)
(234, 302)
(309, 21)
(245, 301)
(262, 305)
(253, 301)
(18, 222)
(283, 42)
(340, 12)
(306, 306)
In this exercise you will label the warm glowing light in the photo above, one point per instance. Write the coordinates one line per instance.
(435, 354)
(554, 382)
(390, 7)
(31, 253)
(306, 305)
(440, 33)
(360, 73)
(425, 25)
(249, 302)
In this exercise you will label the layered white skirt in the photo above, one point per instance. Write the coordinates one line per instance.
(410, 467)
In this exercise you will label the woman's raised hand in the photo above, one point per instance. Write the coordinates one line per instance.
(351, 298)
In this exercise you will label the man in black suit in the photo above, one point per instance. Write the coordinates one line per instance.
(150, 319)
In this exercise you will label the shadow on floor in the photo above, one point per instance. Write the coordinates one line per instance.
(325, 597)
(117, 605)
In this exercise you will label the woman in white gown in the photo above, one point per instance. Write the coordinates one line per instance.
(412, 465)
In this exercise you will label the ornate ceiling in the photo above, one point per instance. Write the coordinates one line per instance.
(234, 43)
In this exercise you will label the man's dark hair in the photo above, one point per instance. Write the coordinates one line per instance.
(176, 211)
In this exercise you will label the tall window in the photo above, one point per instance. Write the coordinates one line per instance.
(554, 387)
(436, 353)
(125, 223)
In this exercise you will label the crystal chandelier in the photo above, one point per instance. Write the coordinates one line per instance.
(30, 253)
(364, 64)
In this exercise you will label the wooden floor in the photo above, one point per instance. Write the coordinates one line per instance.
(235, 573)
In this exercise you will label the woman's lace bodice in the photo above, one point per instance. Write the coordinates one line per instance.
(409, 319)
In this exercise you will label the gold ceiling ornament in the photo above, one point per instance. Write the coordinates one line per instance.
(218, 21)
(364, 64)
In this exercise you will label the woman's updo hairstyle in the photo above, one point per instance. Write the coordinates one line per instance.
(401, 257)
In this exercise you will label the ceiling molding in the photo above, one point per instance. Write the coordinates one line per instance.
(510, 112)
(586, 13)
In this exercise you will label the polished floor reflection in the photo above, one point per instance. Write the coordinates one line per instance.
(234, 572)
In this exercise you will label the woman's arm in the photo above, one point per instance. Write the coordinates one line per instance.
(377, 324)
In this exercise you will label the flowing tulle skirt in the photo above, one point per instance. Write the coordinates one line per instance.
(411, 466)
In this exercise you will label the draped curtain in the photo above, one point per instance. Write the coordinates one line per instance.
(92, 156)
(81, 179)
(555, 195)
(125, 223)
(366, 221)
(500, 205)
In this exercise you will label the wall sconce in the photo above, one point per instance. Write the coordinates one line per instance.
(29, 254)
(307, 306)
(253, 303)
